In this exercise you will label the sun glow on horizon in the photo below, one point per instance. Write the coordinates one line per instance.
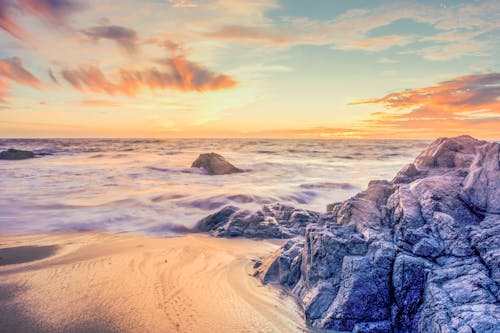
(274, 69)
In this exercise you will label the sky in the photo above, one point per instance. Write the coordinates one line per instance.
(270, 69)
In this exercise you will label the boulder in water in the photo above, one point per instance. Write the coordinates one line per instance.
(15, 154)
(214, 164)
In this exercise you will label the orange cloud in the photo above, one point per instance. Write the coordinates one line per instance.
(461, 95)
(177, 73)
(467, 104)
(12, 69)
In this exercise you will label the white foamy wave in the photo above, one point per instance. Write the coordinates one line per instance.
(148, 185)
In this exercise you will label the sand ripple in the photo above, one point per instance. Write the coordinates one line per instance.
(121, 283)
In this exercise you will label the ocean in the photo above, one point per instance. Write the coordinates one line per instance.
(147, 186)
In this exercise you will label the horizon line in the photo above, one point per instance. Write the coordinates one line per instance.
(236, 138)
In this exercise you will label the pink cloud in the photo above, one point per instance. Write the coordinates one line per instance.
(7, 22)
(12, 69)
(53, 12)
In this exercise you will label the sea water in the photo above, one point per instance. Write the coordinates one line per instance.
(148, 186)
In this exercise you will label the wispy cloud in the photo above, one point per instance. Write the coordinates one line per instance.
(174, 73)
(375, 44)
(125, 38)
(155, 50)
(54, 12)
(182, 3)
(7, 22)
(99, 103)
(351, 30)
(12, 69)
(346, 32)
(53, 76)
(466, 103)
(462, 94)
(239, 33)
(385, 60)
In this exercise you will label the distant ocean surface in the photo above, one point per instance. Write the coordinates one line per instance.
(147, 186)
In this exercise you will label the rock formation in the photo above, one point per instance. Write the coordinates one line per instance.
(214, 164)
(14, 154)
(418, 254)
(272, 221)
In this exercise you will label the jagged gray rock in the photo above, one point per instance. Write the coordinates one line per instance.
(418, 254)
(482, 185)
(272, 221)
(15, 154)
(214, 164)
(286, 268)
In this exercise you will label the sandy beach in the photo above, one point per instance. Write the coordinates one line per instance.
(102, 282)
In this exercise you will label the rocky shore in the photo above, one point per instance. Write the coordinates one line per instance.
(420, 253)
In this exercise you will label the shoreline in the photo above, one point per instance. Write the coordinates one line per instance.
(109, 282)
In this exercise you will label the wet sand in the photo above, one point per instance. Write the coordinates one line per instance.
(100, 282)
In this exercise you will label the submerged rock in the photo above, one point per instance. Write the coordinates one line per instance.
(418, 254)
(15, 154)
(214, 164)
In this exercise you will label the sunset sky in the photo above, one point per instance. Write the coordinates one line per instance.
(227, 68)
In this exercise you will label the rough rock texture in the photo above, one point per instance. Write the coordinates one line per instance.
(418, 254)
(482, 185)
(272, 221)
(14, 154)
(214, 164)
